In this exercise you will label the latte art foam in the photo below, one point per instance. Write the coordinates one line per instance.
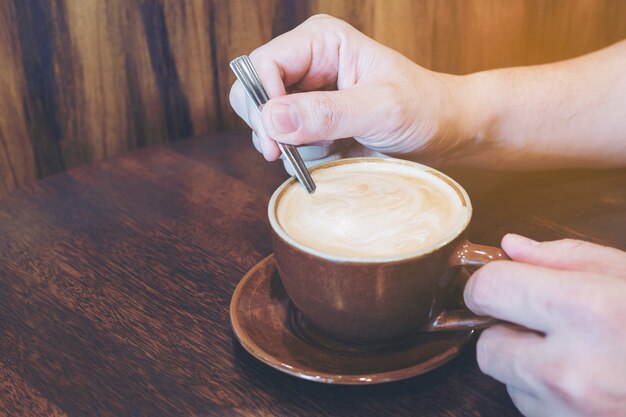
(369, 210)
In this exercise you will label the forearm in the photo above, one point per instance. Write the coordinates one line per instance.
(566, 114)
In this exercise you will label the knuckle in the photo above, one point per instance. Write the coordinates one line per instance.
(570, 305)
(564, 383)
(584, 308)
(571, 244)
(567, 301)
(602, 310)
(396, 107)
(321, 16)
(329, 22)
(602, 259)
(326, 114)
(325, 19)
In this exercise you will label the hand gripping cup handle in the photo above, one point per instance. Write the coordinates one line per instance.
(472, 256)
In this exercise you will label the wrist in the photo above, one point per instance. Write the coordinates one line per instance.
(476, 115)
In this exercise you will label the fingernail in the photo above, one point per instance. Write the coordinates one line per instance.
(521, 240)
(285, 119)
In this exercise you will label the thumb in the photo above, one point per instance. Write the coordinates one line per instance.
(326, 115)
(566, 254)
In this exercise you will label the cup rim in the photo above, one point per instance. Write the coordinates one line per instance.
(460, 191)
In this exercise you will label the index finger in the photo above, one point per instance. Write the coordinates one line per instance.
(538, 298)
(307, 55)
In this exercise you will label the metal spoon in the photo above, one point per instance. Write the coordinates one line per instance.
(248, 77)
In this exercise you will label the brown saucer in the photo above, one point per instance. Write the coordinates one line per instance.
(272, 330)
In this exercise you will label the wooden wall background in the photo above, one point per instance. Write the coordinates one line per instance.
(82, 80)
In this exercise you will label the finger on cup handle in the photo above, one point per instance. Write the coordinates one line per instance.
(567, 254)
(539, 298)
(504, 349)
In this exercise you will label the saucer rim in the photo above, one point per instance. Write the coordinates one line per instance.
(325, 377)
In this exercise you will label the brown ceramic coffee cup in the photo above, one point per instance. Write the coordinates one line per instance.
(363, 300)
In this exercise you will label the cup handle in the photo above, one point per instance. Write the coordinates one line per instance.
(473, 256)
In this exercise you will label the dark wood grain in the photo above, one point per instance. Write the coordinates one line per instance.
(83, 80)
(115, 281)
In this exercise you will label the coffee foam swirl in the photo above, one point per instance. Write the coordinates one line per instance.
(370, 210)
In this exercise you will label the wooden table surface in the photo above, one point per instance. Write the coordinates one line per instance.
(115, 282)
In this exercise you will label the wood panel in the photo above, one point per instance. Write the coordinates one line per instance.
(471, 35)
(82, 80)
